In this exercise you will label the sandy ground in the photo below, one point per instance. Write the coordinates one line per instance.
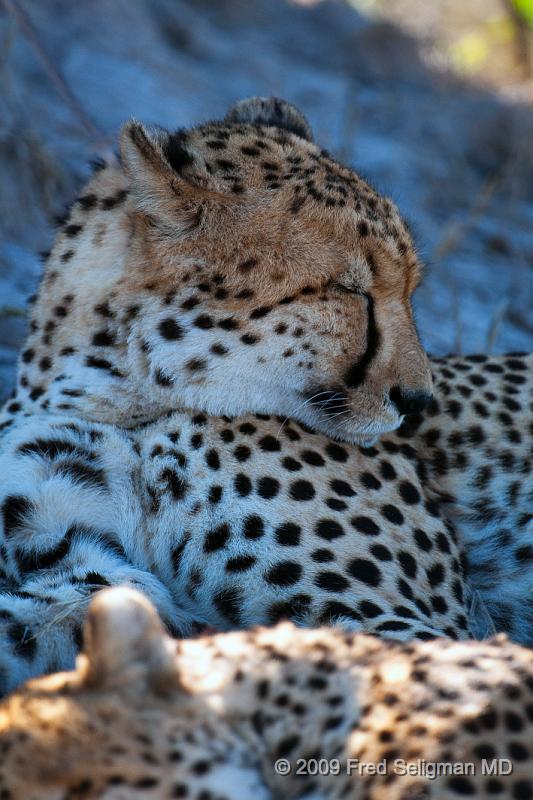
(458, 160)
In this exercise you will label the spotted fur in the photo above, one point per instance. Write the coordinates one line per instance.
(146, 717)
(475, 439)
(180, 324)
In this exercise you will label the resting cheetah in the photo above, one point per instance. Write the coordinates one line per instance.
(231, 270)
(145, 717)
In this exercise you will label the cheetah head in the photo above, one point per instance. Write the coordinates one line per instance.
(284, 280)
(242, 270)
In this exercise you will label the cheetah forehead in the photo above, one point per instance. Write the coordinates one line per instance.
(260, 187)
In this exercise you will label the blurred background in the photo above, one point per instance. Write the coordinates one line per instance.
(431, 101)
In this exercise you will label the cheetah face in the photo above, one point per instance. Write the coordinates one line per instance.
(274, 279)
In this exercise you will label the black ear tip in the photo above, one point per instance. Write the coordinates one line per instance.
(175, 152)
(270, 111)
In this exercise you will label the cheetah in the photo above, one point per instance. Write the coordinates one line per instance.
(278, 712)
(220, 353)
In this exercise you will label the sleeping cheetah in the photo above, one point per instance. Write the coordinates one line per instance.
(209, 719)
(233, 270)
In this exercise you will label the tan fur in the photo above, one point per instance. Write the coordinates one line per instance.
(224, 708)
(273, 231)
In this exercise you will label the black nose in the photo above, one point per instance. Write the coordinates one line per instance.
(408, 402)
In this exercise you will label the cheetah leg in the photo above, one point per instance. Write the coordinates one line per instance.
(41, 618)
(68, 510)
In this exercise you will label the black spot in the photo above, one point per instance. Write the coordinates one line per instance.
(287, 745)
(108, 203)
(72, 230)
(240, 563)
(242, 453)
(204, 322)
(36, 392)
(312, 458)
(369, 609)
(196, 441)
(435, 574)
(329, 529)
(302, 490)
(291, 464)
(23, 640)
(409, 493)
(215, 494)
(243, 484)
(217, 539)
(104, 339)
(87, 201)
(262, 311)
(336, 452)
(250, 338)
(288, 534)
(170, 329)
(331, 581)
(162, 379)
(285, 573)
(369, 481)
(461, 785)
(381, 552)
(175, 484)
(335, 504)
(27, 355)
(408, 564)
(393, 514)
(342, 488)
(253, 527)
(246, 266)
(104, 310)
(365, 525)
(365, 571)
(212, 459)
(422, 540)
(269, 444)
(267, 487)
(517, 751)
(322, 555)
(218, 349)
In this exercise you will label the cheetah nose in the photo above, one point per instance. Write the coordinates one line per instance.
(408, 402)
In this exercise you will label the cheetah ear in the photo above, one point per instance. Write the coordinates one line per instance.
(167, 181)
(270, 111)
(125, 644)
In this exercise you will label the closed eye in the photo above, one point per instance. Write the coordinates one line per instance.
(351, 290)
